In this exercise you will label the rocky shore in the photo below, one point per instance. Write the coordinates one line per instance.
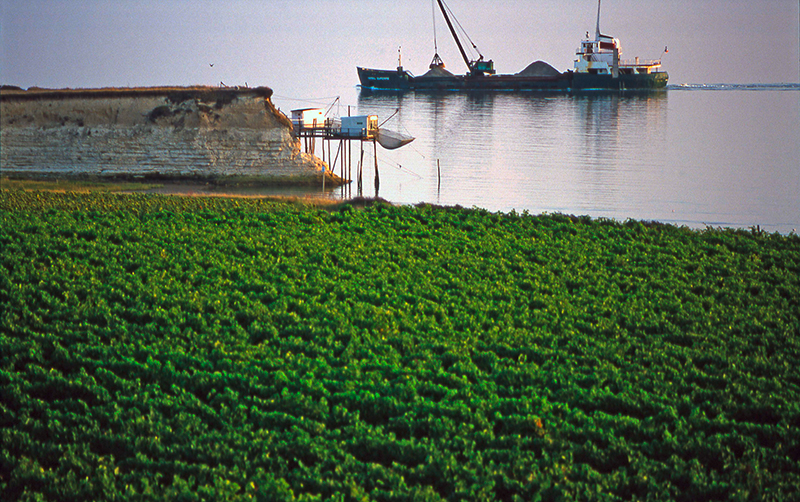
(211, 134)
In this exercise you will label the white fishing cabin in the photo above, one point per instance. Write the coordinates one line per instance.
(360, 126)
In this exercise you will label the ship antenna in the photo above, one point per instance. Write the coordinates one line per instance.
(597, 29)
(433, 15)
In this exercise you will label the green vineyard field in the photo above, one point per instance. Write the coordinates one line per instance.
(201, 348)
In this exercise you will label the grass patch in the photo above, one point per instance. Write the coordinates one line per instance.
(80, 186)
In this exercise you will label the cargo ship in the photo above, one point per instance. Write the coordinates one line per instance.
(598, 66)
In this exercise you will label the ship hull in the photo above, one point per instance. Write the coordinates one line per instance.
(400, 80)
(403, 81)
(384, 79)
(631, 82)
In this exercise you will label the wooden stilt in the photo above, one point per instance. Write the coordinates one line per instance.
(344, 151)
(333, 166)
(377, 176)
(360, 168)
(343, 155)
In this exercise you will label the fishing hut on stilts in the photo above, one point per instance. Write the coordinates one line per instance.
(311, 124)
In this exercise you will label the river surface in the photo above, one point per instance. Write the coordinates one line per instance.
(700, 154)
(692, 155)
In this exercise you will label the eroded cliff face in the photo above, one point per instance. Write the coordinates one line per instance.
(199, 132)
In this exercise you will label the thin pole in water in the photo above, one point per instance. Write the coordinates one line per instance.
(360, 168)
(377, 177)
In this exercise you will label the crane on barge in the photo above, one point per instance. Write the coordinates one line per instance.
(475, 66)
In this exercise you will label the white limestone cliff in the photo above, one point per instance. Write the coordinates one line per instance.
(158, 132)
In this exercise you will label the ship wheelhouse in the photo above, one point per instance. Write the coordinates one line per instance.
(598, 56)
(601, 56)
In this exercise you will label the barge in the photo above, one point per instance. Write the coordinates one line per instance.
(598, 66)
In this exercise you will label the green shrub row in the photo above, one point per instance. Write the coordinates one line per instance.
(191, 348)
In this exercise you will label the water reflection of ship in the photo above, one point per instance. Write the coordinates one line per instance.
(615, 133)
(515, 144)
(607, 119)
(446, 121)
(514, 112)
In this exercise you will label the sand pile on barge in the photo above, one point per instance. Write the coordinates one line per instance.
(539, 69)
(436, 72)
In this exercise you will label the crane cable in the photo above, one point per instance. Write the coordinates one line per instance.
(461, 28)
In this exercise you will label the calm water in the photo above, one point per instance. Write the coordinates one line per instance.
(693, 155)
(720, 155)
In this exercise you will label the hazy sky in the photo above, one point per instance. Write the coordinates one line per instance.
(311, 46)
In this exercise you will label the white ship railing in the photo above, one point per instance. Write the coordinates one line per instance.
(640, 62)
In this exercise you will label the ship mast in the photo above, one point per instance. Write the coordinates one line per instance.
(597, 29)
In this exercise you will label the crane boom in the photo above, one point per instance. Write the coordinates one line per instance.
(475, 67)
(453, 31)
